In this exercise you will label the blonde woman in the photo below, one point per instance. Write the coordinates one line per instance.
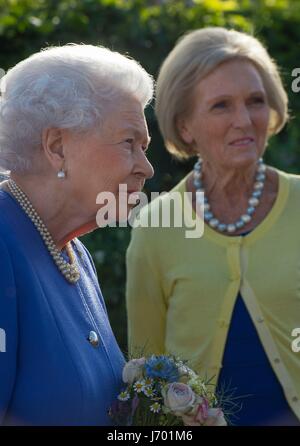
(229, 300)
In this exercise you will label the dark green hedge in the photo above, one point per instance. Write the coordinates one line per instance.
(147, 30)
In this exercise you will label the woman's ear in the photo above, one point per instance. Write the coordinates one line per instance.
(184, 130)
(52, 143)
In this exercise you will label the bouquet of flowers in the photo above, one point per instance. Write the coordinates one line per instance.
(163, 391)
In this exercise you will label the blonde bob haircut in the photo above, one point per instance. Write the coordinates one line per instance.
(196, 54)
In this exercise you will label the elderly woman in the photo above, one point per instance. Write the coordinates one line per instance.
(229, 300)
(71, 126)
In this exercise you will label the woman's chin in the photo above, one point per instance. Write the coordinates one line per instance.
(123, 216)
(243, 159)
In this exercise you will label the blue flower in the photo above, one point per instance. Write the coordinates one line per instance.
(162, 367)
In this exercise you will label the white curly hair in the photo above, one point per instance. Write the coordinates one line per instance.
(71, 86)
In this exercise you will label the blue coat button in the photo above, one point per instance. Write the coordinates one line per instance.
(93, 338)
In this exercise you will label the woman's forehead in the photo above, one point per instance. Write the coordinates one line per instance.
(126, 121)
(230, 78)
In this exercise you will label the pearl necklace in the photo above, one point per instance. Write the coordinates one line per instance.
(253, 201)
(68, 270)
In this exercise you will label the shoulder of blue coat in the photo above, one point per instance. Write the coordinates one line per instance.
(83, 251)
(4, 211)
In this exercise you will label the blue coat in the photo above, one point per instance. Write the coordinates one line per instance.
(50, 374)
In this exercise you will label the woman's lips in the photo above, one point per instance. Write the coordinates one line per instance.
(242, 142)
(134, 196)
(134, 193)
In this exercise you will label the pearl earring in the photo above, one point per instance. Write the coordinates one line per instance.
(61, 174)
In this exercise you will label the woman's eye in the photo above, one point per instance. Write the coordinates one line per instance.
(219, 105)
(258, 100)
(130, 142)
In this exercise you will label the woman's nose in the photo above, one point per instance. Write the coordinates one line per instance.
(146, 167)
(242, 117)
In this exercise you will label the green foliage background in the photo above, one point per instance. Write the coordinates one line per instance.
(147, 31)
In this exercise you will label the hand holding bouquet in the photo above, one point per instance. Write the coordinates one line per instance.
(163, 391)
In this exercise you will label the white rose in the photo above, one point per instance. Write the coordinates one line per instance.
(132, 370)
(178, 398)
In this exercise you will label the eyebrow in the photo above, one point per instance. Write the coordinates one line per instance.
(228, 96)
(136, 132)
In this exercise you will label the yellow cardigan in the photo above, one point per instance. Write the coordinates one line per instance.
(181, 291)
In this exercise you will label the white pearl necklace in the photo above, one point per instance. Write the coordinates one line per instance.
(253, 201)
(68, 270)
